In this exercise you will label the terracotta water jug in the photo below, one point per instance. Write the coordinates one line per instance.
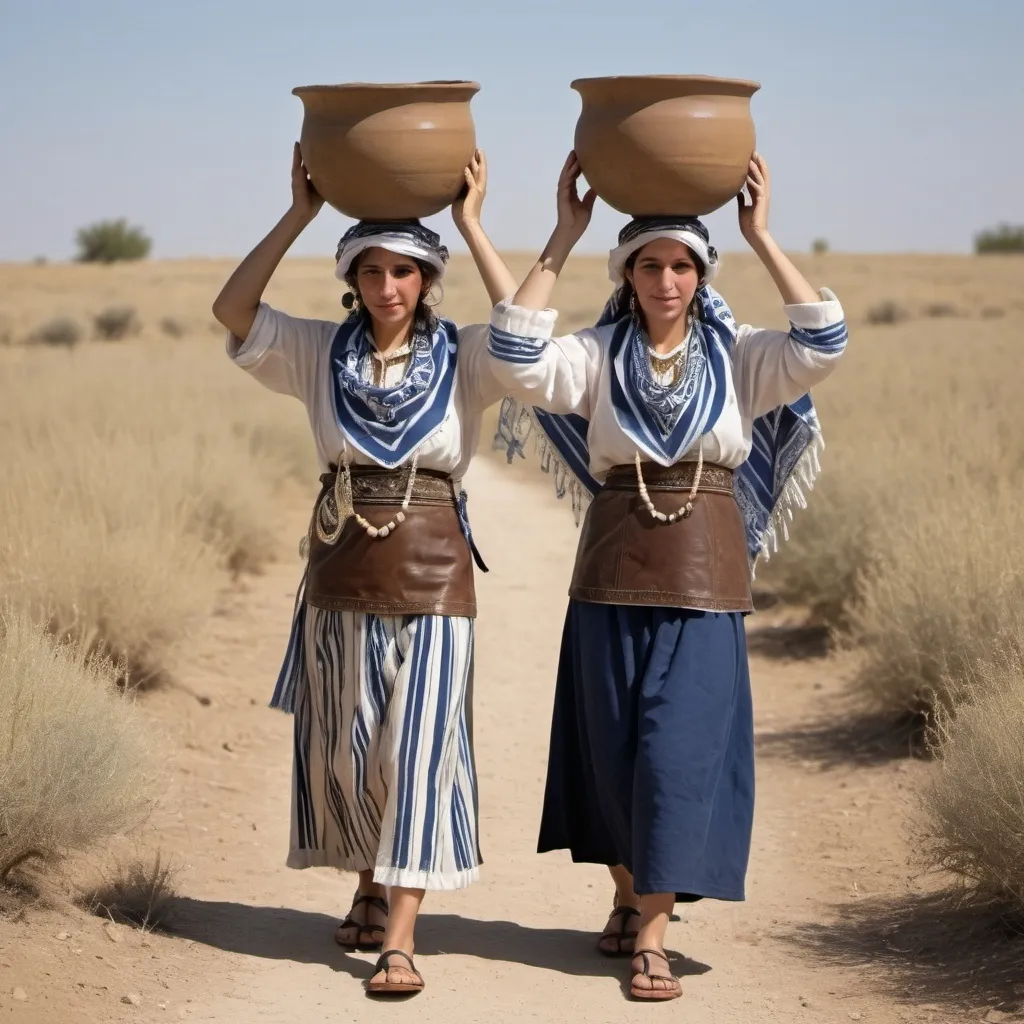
(665, 144)
(388, 152)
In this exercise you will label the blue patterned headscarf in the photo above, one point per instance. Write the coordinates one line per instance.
(665, 422)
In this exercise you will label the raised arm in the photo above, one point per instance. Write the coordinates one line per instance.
(555, 374)
(494, 272)
(772, 368)
(793, 286)
(573, 219)
(239, 300)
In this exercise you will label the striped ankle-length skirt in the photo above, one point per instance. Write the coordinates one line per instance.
(651, 761)
(383, 774)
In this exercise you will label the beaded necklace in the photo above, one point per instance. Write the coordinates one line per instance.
(343, 502)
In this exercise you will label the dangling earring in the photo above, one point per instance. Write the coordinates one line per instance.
(634, 311)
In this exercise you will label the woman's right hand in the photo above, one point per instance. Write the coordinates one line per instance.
(306, 201)
(573, 213)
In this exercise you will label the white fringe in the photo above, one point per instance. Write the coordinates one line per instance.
(516, 425)
(802, 479)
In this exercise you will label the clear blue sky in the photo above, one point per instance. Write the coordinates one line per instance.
(889, 126)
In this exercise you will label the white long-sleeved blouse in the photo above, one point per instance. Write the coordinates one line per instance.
(291, 355)
(571, 374)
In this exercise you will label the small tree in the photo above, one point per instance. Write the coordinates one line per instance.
(108, 241)
(1004, 238)
(819, 246)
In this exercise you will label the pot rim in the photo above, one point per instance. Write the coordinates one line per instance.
(453, 85)
(743, 84)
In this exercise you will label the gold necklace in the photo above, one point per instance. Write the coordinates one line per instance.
(665, 365)
(379, 364)
(674, 364)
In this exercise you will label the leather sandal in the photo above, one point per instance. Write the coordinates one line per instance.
(379, 903)
(387, 987)
(619, 934)
(673, 990)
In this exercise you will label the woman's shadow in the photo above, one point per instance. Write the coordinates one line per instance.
(281, 933)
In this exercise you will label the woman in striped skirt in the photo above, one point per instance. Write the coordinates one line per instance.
(692, 436)
(379, 665)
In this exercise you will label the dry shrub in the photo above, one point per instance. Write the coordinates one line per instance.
(59, 332)
(818, 567)
(886, 312)
(97, 544)
(948, 577)
(973, 807)
(904, 500)
(939, 309)
(73, 751)
(133, 479)
(140, 892)
(115, 323)
(172, 327)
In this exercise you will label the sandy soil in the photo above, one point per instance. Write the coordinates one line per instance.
(819, 939)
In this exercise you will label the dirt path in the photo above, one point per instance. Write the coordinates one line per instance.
(253, 940)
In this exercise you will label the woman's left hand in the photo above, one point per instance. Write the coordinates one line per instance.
(573, 213)
(466, 209)
(754, 218)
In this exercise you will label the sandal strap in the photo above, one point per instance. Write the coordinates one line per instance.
(644, 955)
(383, 965)
(627, 911)
(655, 952)
(375, 901)
(622, 914)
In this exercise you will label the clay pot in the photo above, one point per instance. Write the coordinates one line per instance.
(388, 152)
(665, 144)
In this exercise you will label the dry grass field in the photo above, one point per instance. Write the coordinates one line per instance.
(145, 478)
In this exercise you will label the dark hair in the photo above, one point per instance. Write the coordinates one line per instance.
(424, 317)
(628, 290)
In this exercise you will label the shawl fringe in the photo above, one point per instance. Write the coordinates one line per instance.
(517, 425)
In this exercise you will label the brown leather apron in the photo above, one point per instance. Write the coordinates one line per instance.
(424, 567)
(626, 556)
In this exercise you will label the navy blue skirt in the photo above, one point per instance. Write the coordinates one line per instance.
(651, 762)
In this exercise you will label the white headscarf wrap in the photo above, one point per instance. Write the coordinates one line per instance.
(407, 238)
(641, 230)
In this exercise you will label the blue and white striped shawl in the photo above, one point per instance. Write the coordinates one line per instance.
(786, 441)
(388, 424)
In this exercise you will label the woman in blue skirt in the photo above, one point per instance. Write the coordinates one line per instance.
(691, 437)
